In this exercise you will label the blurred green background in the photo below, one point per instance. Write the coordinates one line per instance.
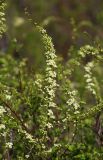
(68, 22)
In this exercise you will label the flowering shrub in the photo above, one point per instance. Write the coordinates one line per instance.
(55, 114)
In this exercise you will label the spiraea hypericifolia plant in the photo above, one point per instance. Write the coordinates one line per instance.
(92, 84)
(46, 118)
(36, 122)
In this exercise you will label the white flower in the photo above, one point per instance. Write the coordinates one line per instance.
(76, 112)
(49, 125)
(27, 156)
(8, 97)
(70, 101)
(2, 110)
(76, 105)
(52, 104)
(2, 126)
(88, 80)
(9, 145)
(51, 114)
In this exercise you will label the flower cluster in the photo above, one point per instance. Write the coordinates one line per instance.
(2, 18)
(2, 123)
(89, 77)
(50, 76)
(72, 102)
(9, 145)
(87, 49)
(2, 111)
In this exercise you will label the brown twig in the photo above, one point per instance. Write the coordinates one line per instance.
(15, 115)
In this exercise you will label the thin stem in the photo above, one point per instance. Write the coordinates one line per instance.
(15, 115)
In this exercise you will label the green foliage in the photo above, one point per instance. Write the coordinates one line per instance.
(54, 114)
